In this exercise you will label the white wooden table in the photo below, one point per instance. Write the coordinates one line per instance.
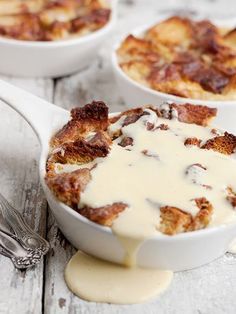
(207, 290)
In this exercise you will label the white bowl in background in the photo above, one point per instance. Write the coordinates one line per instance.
(53, 58)
(136, 94)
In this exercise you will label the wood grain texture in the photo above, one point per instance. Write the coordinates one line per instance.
(207, 290)
(21, 292)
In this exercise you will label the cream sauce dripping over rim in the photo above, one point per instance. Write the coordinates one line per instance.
(145, 182)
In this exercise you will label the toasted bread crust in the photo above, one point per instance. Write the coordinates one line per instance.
(81, 150)
(68, 186)
(102, 215)
(201, 115)
(182, 57)
(90, 118)
(175, 220)
(224, 144)
(97, 112)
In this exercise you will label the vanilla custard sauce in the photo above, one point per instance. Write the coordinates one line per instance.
(147, 175)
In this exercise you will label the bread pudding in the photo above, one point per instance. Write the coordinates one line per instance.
(159, 169)
(49, 20)
(182, 57)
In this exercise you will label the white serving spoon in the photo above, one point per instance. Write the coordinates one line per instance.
(180, 252)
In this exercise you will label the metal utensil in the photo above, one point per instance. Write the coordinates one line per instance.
(17, 240)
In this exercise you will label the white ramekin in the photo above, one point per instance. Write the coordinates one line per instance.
(135, 94)
(52, 59)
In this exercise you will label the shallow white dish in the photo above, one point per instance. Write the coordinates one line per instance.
(55, 58)
(136, 94)
(179, 252)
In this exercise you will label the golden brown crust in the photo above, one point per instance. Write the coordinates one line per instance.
(171, 32)
(224, 144)
(188, 113)
(137, 49)
(90, 118)
(67, 186)
(81, 150)
(183, 57)
(102, 215)
(175, 220)
(96, 111)
(41, 21)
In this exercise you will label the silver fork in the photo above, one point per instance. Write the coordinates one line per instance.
(17, 240)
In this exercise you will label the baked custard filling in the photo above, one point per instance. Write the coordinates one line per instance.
(183, 57)
(143, 172)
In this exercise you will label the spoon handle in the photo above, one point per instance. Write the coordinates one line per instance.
(17, 240)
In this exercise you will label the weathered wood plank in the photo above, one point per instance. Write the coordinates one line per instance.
(210, 289)
(22, 292)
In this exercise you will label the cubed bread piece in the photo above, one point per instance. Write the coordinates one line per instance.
(90, 118)
(203, 217)
(68, 186)
(197, 114)
(104, 215)
(174, 220)
(224, 144)
(81, 150)
(138, 70)
(173, 31)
